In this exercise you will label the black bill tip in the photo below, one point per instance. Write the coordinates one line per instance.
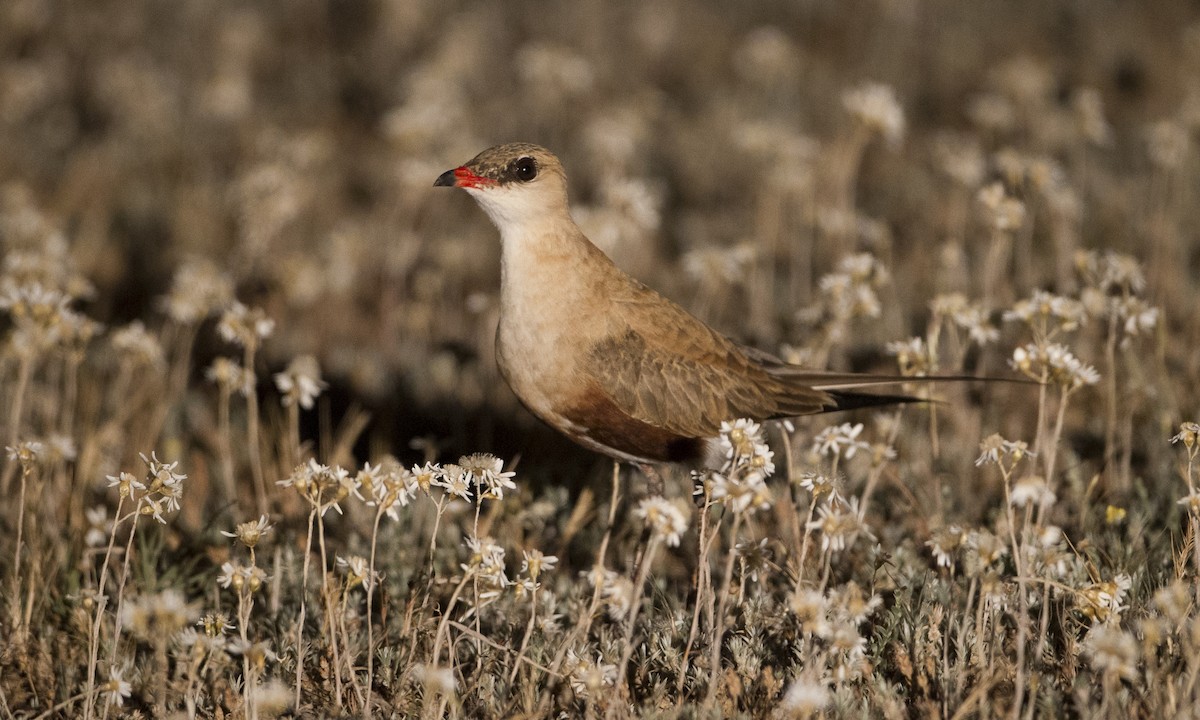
(446, 179)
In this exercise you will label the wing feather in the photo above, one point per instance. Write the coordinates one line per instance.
(664, 367)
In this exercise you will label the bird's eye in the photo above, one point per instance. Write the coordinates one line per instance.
(525, 169)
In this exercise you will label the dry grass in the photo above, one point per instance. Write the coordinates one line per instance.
(206, 207)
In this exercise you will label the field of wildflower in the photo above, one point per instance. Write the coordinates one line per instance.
(259, 461)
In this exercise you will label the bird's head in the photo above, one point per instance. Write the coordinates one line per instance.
(515, 184)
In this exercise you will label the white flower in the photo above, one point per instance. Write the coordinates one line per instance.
(875, 106)
(125, 483)
(1031, 489)
(589, 677)
(1056, 362)
(241, 577)
(1112, 650)
(197, 289)
(244, 326)
(455, 481)
(1139, 317)
(484, 469)
(534, 563)
(250, 532)
(616, 590)
(133, 340)
(851, 605)
(663, 518)
(912, 356)
(811, 609)
(391, 486)
(840, 440)
(1103, 600)
(839, 524)
(301, 382)
(945, 543)
(1191, 501)
(804, 698)
(229, 375)
(322, 486)
(99, 526)
(358, 571)
(1188, 434)
(995, 448)
(487, 561)
(746, 493)
(116, 689)
(1042, 306)
(847, 640)
(741, 439)
(435, 679)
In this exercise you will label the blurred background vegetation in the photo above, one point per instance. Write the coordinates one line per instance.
(294, 145)
(823, 179)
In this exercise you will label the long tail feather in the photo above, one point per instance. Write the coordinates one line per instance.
(831, 381)
(850, 400)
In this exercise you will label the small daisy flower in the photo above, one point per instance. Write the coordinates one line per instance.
(125, 483)
(485, 470)
(99, 526)
(852, 605)
(198, 289)
(242, 578)
(440, 681)
(663, 518)
(117, 689)
(389, 486)
(245, 326)
(230, 376)
(250, 532)
(804, 698)
(588, 677)
(740, 438)
(216, 624)
(534, 563)
(839, 524)
(1112, 650)
(1031, 489)
(455, 481)
(747, 493)
(1188, 434)
(840, 440)
(1191, 502)
(818, 484)
(135, 342)
(259, 653)
(945, 543)
(912, 355)
(1103, 600)
(358, 571)
(301, 382)
(487, 561)
(811, 610)
(875, 106)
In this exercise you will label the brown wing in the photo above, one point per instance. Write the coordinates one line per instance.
(664, 367)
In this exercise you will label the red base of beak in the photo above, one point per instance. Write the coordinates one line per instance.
(461, 177)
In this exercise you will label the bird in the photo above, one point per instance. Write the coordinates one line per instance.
(609, 362)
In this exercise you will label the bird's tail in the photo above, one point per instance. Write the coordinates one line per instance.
(851, 400)
(850, 391)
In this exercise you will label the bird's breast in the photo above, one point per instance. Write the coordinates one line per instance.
(556, 383)
(556, 305)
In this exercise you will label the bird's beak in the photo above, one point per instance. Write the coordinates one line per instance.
(462, 177)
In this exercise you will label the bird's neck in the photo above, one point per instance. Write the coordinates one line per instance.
(546, 254)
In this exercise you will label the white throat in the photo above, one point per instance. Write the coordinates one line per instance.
(516, 212)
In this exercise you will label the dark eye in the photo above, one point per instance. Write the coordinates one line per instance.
(525, 169)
